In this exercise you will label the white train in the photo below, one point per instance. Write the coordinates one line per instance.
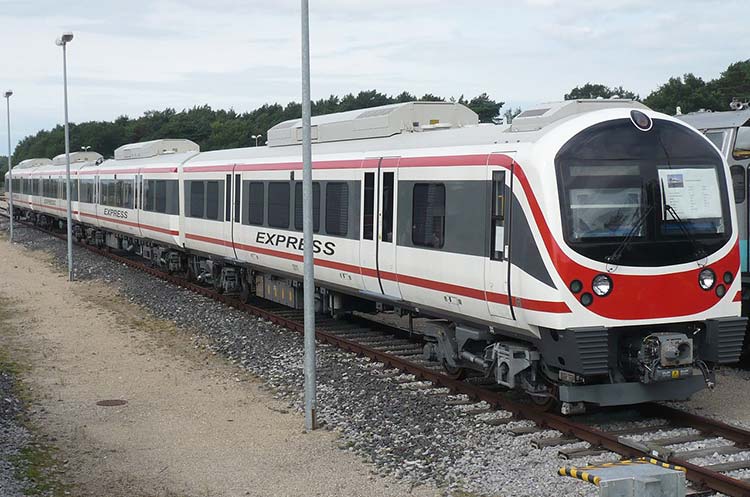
(586, 253)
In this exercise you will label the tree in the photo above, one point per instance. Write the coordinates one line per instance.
(510, 114)
(209, 128)
(690, 93)
(595, 90)
(734, 83)
(485, 107)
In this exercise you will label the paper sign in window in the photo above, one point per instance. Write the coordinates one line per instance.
(692, 193)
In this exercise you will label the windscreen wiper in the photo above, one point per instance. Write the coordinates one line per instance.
(698, 252)
(631, 234)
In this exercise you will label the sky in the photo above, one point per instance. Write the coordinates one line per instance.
(136, 55)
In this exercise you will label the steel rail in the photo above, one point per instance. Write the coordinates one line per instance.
(597, 438)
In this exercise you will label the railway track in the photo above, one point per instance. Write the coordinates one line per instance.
(397, 349)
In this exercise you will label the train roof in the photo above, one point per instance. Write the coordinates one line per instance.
(449, 125)
(29, 163)
(77, 157)
(537, 122)
(713, 120)
(153, 148)
(375, 122)
(546, 114)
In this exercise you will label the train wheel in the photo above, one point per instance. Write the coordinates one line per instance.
(454, 373)
(548, 403)
(245, 292)
(545, 403)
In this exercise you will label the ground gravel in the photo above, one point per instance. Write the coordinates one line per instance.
(13, 437)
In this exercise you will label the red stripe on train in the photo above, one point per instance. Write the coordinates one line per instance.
(528, 304)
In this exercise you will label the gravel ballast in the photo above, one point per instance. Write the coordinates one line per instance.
(406, 431)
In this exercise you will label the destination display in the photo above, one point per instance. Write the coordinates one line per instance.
(692, 193)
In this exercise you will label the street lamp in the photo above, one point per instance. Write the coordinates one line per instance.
(63, 41)
(255, 137)
(7, 95)
(308, 285)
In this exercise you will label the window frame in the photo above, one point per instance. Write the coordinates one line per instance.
(414, 230)
(328, 220)
(298, 207)
(274, 205)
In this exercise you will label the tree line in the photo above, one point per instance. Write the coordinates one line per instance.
(215, 129)
(689, 92)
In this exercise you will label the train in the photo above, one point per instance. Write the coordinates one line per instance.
(729, 131)
(586, 253)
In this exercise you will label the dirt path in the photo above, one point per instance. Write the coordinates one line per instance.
(193, 425)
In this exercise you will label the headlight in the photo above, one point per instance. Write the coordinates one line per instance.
(602, 285)
(706, 279)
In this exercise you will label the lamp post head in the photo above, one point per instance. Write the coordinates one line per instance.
(66, 37)
(8, 93)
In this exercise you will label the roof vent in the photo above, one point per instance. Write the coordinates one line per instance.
(77, 157)
(546, 114)
(28, 163)
(153, 148)
(375, 122)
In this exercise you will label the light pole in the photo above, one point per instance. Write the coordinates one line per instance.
(63, 41)
(10, 168)
(255, 137)
(307, 228)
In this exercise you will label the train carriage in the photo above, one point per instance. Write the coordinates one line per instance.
(24, 183)
(586, 253)
(730, 132)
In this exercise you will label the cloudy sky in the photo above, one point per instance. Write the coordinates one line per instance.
(135, 55)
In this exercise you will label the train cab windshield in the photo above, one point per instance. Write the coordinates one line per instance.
(644, 198)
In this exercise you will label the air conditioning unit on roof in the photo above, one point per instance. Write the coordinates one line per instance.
(153, 148)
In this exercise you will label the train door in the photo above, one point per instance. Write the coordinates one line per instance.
(388, 224)
(497, 265)
(231, 208)
(138, 204)
(378, 236)
(370, 227)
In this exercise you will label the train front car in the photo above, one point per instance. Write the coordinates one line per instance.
(643, 244)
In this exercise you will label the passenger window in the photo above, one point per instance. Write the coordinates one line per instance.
(428, 215)
(160, 196)
(197, 199)
(173, 196)
(254, 202)
(497, 221)
(147, 195)
(278, 205)
(387, 207)
(298, 206)
(742, 144)
(738, 183)
(128, 190)
(228, 198)
(212, 200)
(337, 209)
(368, 220)
(237, 186)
